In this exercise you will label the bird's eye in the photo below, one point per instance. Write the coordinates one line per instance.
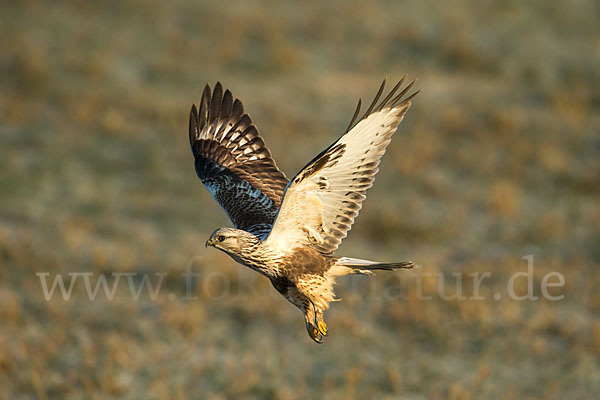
(220, 238)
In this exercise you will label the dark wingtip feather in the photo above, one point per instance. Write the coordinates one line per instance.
(193, 125)
(396, 100)
(402, 93)
(356, 112)
(390, 94)
(375, 100)
(238, 108)
(227, 105)
(204, 106)
(412, 96)
(217, 99)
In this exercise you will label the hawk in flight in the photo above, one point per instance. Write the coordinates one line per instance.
(287, 230)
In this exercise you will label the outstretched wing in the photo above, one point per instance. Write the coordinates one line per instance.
(323, 199)
(233, 162)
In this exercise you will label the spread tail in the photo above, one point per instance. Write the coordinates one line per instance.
(347, 265)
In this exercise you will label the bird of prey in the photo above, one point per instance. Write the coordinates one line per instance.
(288, 230)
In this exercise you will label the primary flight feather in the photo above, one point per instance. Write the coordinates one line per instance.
(288, 230)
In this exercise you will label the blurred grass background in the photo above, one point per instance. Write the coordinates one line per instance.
(498, 158)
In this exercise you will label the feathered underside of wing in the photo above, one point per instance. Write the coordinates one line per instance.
(323, 199)
(233, 162)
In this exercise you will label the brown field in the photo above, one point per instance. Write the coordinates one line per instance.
(498, 158)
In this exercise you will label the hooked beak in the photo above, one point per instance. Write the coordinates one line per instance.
(208, 243)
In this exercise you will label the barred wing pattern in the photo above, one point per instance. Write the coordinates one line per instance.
(233, 162)
(321, 202)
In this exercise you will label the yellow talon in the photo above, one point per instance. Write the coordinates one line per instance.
(322, 327)
(315, 332)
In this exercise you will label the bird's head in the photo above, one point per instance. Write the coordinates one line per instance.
(231, 241)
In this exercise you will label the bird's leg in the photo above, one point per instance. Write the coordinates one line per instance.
(321, 323)
(310, 316)
(315, 325)
(318, 319)
(313, 317)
